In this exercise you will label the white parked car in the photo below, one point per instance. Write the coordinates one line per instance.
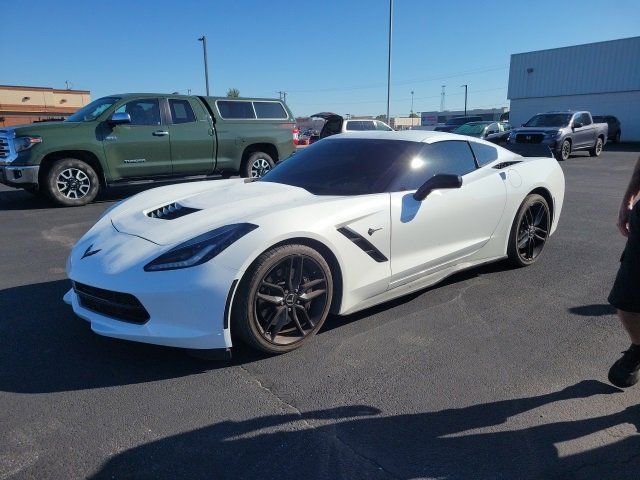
(350, 222)
(335, 124)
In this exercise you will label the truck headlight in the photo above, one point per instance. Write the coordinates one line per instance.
(200, 249)
(25, 143)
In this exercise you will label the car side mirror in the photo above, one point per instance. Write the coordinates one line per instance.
(577, 125)
(120, 118)
(437, 182)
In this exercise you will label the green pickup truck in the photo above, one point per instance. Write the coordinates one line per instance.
(134, 138)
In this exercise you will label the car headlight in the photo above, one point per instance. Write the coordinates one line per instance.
(553, 134)
(25, 143)
(200, 249)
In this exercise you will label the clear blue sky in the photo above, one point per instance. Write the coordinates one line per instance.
(328, 54)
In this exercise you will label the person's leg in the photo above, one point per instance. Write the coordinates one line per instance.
(631, 323)
(626, 371)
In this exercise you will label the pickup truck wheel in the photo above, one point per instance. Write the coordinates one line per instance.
(72, 183)
(565, 151)
(257, 165)
(597, 149)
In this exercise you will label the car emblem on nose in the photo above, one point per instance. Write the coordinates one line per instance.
(528, 137)
(88, 252)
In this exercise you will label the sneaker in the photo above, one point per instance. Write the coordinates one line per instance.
(625, 372)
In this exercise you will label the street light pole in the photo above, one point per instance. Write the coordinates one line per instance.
(203, 39)
(465, 98)
(412, 108)
(389, 62)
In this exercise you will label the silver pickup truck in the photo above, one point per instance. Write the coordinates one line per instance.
(563, 132)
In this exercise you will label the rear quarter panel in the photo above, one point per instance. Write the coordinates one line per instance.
(522, 179)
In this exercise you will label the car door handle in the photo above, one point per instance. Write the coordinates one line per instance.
(160, 133)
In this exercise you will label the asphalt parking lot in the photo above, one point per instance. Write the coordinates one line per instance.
(496, 373)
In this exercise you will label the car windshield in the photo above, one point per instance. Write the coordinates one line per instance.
(345, 166)
(93, 110)
(472, 129)
(549, 120)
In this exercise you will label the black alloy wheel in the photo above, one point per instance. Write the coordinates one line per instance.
(284, 300)
(530, 231)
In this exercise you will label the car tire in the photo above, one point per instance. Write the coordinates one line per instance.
(256, 165)
(71, 182)
(565, 151)
(529, 231)
(274, 314)
(597, 149)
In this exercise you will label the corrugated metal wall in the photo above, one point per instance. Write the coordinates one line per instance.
(612, 66)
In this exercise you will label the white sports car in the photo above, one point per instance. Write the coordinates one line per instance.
(350, 222)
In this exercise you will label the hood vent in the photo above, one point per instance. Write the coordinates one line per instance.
(171, 212)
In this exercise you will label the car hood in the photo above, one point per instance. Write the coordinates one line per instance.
(537, 129)
(39, 128)
(176, 213)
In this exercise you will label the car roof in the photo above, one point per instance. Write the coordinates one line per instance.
(483, 122)
(426, 136)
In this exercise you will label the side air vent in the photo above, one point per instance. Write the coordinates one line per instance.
(502, 165)
(365, 245)
(171, 212)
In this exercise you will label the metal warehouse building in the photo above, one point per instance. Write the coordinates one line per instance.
(602, 77)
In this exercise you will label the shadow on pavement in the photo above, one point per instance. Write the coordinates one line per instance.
(595, 310)
(358, 442)
(44, 347)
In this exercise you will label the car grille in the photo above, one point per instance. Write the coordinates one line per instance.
(171, 212)
(121, 306)
(4, 147)
(529, 137)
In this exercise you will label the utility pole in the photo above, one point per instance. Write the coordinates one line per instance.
(465, 98)
(411, 108)
(68, 84)
(389, 62)
(283, 96)
(442, 94)
(203, 39)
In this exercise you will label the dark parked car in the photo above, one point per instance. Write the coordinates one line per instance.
(455, 122)
(614, 126)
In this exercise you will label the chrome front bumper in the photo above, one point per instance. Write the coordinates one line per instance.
(19, 176)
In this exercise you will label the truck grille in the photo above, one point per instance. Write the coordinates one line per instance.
(529, 137)
(4, 147)
(121, 306)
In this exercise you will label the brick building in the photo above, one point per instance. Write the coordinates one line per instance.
(20, 104)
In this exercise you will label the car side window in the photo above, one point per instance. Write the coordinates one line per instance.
(270, 110)
(382, 126)
(451, 156)
(235, 109)
(586, 120)
(484, 153)
(144, 111)
(355, 125)
(181, 111)
(368, 125)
